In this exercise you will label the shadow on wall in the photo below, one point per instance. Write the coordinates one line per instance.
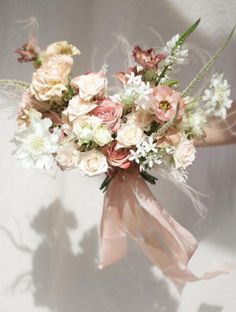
(68, 282)
(209, 308)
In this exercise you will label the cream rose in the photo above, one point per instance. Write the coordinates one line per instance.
(60, 47)
(67, 156)
(90, 85)
(92, 163)
(184, 153)
(51, 79)
(129, 134)
(77, 107)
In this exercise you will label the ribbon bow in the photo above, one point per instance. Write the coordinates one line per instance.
(131, 209)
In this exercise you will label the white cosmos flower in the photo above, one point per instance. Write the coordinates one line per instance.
(35, 145)
(216, 98)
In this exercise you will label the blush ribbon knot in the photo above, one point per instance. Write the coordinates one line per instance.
(131, 209)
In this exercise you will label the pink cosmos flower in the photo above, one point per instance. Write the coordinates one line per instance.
(165, 102)
(110, 113)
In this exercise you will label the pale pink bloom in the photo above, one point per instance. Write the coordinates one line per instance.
(171, 138)
(184, 153)
(67, 156)
(165, 101)
(90, 85)
(110, 113)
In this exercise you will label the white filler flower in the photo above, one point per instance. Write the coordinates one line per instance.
(35, 145)
(216, 98)
(180, 56)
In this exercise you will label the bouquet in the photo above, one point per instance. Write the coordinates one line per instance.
(150, 123)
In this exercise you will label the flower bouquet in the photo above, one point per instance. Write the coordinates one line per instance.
(151, 123)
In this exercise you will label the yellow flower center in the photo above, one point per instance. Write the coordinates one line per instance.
(37, 144)
(164, 105)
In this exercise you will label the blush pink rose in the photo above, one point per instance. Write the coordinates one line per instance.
(110, 113)
(165, 101)
(117, 157)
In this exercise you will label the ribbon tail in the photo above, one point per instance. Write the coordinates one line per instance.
(113, 240)
(130, 208)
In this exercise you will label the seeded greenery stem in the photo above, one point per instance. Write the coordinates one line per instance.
(180, 42)
(207, 66)
(15, 83)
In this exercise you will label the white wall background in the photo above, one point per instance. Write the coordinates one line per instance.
(48, 222)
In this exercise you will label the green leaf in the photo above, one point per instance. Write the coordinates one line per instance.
(207, 66)
(148, 177)
(181, 40)
(186, 34)
(171, 83)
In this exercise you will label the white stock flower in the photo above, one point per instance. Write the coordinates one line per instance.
(184, 154)
(77, 107)
(92, 163)
(102, 135)
(129, 134)
(35, 145)
(216, 98)
(181, 53)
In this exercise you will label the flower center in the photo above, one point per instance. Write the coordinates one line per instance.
(37, 144)
(164, 105)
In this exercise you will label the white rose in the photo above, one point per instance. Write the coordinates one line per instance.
(67, 156)
(93, 163)
(129, 134)
(102, 136)
(184, 153)
(90, 85)
(86, 135)
(85, 122)
(51, 79)
(77, 107)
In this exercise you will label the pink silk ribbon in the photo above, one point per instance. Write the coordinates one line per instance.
(130, 208)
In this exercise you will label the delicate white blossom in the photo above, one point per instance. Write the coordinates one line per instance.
(216, 98)
(146, 154)
(180, 54)
(137, 90)
(35, 144)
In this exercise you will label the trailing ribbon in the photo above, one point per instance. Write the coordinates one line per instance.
(130, 208)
